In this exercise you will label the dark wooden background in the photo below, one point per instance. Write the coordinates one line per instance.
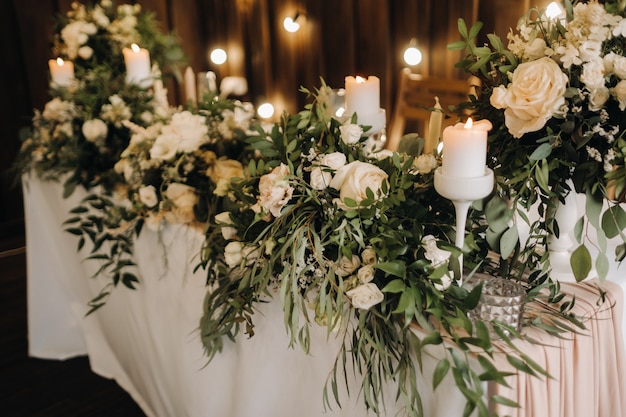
(339, 38)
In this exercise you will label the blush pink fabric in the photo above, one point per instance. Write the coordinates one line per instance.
(588, 367)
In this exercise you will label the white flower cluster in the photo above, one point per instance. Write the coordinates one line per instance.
(536, 92)
(83, 23)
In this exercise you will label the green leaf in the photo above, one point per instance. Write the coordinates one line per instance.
(542, 175)
(542, 152)
(475, 29)
(441, 370)
(508, 242)
(397, 268)
(602, 266)
(462, 28)
(581, 262)
(593, 208)
(456, 46)
(395, 286)
(614, 221)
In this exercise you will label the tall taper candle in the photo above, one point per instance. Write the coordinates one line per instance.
(434, 128)
(190, 86)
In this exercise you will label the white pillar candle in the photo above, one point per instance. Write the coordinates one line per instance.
(465, 149)
(61, 72)
(137, 62)
(190, 85)
(362, 95)
(434, 128)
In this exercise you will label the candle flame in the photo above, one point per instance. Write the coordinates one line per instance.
(60, 62)
(469, 123)
(360, 79)
(135, 47)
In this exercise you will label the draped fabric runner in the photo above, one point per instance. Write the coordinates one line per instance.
(147, 339)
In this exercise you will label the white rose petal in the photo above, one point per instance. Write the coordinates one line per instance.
(320, 179)
(347, 266)
(350, 133)
(334, 160)
(233, 254)
(365, 274)
(619, 92)
(95, 130)
(353, 180)
(148, 196)
(275, 190)
(365, 296)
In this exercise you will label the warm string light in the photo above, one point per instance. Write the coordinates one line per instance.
(554, 10)
(412, 55)
(218, 56)
(265, 110)
(292, 24)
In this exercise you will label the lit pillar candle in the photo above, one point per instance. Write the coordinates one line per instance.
(137, 62)
(434, 128)
(190, 85)
(362, 95)
(61, 72)
(465, 149)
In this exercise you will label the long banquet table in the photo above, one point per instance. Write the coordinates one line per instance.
(148, 341)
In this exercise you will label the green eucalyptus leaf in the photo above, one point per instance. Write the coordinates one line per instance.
(581, 262)
(620, 252)
(593, 208)
(441, 370)
(614, 221)
(602, 266)
(508, 242)
(397, 268)
(542, 152)
(394, 286)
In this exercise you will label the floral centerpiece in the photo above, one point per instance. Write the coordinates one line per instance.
(175, 171)
(356, 240)
(80, 133)
(556, 96)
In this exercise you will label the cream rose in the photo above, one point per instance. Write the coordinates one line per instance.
(593, 74)
(366, 274)
(365, 296)
(320, 179)
(425, 163)
(148, 196)
(184, 198)
(233, 254)
(533, 96)
(190, 129)
(347, 266)
(619, 92)
(275, 190)
(368, 256)
(95, 130)
(353, 180)
(350, 133)
(223, 219)
(597, 98)
(333, 160)
(222, 171)
(619, 66)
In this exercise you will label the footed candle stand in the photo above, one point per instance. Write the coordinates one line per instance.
(462, 191)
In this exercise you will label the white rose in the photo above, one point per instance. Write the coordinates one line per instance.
(347, 266)
(593, 74)
(95, 130)
(590, 50)
(425, 163)
(85, 52)
(619, 92)
(190, 129)
(608, 61)
(275, 190)
(365, 274)
(222, 171)
(350, 134)
(57, 110)
(352, 181)
(435, 255)
(334, 160)
(365, 296)
(619, 66)
(164, 147)
(498, 97)
(320, 179)
(597, 98)
(223, 219)
(233, 254)
(148, 196)
(184, 199)
(533, 96)
(368, 256)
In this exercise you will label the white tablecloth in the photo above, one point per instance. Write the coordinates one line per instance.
(148, 341)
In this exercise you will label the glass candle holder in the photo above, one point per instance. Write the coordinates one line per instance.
(501, 300)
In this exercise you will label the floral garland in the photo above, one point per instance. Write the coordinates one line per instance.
(355, 239)
(556, 97)
(175, 171)
(80, 133)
